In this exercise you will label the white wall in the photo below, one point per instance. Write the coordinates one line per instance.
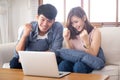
(19, 13)
(3, 21)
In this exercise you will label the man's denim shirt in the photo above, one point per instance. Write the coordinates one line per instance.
(52, 42)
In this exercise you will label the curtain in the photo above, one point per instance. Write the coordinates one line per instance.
(3, 21)
(13, 14)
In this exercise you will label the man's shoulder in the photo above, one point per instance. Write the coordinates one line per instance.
(34, 23)
(57, 25)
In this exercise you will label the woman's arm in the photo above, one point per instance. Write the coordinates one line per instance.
(94, 46)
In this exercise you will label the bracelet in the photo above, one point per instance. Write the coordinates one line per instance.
(87, 47)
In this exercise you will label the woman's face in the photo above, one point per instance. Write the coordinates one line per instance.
(77, 23)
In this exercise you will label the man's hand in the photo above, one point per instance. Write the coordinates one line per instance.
(27, 30)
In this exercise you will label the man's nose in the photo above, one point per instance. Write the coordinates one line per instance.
(45, 23)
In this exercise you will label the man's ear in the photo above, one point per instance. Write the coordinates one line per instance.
(53, 20)
(36, 17)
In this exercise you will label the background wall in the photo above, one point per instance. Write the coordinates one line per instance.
(18, 12)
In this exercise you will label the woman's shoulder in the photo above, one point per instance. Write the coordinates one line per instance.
(96, 31)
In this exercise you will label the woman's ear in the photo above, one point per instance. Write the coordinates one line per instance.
(84, 18)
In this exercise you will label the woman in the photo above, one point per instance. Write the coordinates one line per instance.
(83, 42)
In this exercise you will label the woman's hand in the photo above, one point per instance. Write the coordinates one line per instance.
(85, 38)
(66, 34)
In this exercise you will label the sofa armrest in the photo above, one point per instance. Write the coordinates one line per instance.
(6, 52)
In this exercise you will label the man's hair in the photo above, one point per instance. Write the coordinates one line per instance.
(48, 11)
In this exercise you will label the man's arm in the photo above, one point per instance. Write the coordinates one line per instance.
(22, 41)
(57, 37)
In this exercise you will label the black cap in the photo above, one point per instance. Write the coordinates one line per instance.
(48, 11)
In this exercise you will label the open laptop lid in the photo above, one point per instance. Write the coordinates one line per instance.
(39, 63)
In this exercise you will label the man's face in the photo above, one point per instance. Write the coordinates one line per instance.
(44, 23)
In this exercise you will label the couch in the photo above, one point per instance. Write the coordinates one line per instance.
(110, 44)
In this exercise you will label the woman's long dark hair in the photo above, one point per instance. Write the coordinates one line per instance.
(79, 12)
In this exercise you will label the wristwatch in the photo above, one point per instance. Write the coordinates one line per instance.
(86, 46)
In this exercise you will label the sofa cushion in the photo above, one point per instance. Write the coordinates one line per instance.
(111, 44)
(6, 52)
(111, 70)
(6, 65)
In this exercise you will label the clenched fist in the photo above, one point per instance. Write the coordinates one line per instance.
(66, 33)
(27, 30)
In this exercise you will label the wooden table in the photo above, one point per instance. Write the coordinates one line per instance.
(17, 74)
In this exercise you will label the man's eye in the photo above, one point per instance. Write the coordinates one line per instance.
(42, 19)
(75, 21)
(49, 21)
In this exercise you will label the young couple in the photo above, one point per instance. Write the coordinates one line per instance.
(83, 52)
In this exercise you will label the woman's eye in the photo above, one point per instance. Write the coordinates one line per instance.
(76, 22)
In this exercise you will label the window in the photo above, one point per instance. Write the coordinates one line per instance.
(60, 8)
(119, 11)
(105, 12)
(71, 4)
(63, 7)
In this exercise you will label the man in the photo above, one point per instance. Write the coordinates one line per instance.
(42, 35)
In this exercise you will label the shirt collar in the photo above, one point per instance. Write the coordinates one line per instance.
(49, 31)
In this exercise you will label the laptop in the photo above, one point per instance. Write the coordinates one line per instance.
(40, 64)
